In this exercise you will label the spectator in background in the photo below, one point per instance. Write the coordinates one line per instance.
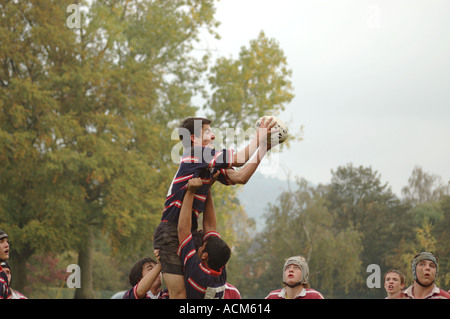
(424, 269)
(295, 280)
(5, 290)
(394, 283)
(145, 279)
(7, 270)
(231, 292)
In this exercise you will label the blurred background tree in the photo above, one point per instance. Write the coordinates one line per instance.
(87, 154)
(86, 118)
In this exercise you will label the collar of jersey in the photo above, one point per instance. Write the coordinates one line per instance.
(210, 271)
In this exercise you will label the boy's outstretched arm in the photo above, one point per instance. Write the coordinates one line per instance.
(263, 134)
(209, 216)
(244, 174)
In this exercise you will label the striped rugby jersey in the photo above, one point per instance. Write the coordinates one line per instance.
(5, 291)
(201, 282)
(306, 293)
(197, 161)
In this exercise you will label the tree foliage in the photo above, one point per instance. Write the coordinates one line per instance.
(86, 118)
(86, 121)
(84, 112)
(301, 224)
(255, 84)
(424, 187)
(342, 228)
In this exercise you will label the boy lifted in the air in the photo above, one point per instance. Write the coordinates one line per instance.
(200, 159)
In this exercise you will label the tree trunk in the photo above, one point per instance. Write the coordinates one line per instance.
(86, 291)
(19, 271)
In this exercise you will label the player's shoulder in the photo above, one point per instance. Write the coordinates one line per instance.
(313, 294)
(231, 292)
(275, 294)
(443, 294)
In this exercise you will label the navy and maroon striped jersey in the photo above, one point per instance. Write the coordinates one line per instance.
(201, 282)
(131, 294)
(201, 162)
(5, 291)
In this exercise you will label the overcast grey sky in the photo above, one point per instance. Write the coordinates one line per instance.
(371, 81)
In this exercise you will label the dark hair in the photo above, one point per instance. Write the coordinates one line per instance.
(188, 127)
(218, 253)
(136, 271)
(402, 277)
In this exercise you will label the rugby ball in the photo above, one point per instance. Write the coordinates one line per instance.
(281, 126)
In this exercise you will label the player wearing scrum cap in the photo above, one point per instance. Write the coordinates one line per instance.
(295, 280)
(424, 269)
(5, 290)
(7, 270)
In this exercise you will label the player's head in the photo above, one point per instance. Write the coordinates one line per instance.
(139, 270)
(424, 268)
(394, 281)
(296, 272)
(4, 245)
(218, 253)
(195, 131)
(398, 274)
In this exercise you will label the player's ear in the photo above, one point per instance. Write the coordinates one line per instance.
(204, 256)
(193, 139)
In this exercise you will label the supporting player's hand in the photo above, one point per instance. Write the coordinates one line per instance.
(194, 184)
(156, 253)
(214, 177)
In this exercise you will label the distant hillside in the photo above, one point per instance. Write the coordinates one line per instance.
(258, 193)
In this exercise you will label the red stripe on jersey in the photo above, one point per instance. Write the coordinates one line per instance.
(213, 161)
(227, 178)
(169, 197)
(196, 286)
(182, 178)
(135, 292)
(206, 180)
(189, 255)
(174, 203)
(211, 272)
(211, 233)
(183, 243)
(200, 197)
(189, 159)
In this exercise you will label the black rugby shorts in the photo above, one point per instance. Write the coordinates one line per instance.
(165, 238)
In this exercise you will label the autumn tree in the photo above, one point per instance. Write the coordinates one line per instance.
(429, 219)
(256, 83)
(442, 235)
(342, 228)
(299, 223)
(31, 46)
(424, 187)
(87, 114)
